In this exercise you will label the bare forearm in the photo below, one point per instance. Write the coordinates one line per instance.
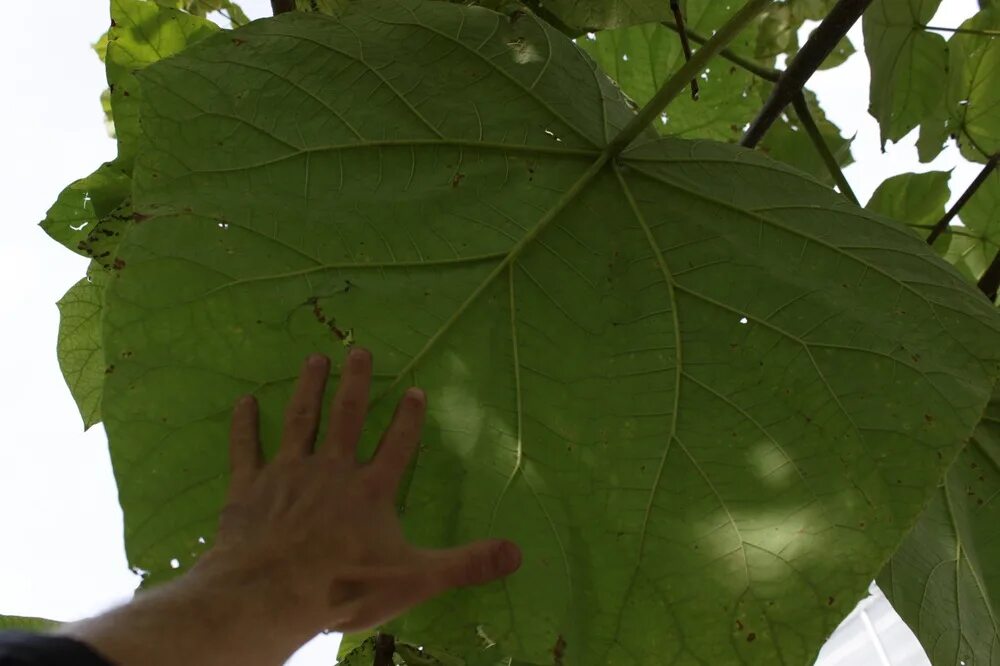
(210, 618)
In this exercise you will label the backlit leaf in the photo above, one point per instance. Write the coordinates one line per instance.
(81, 357)
(20, 623)
(909, 65)
(974, 85)
(691, 382)
(915, 199)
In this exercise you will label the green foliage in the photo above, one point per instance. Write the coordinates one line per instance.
(944, 580)
(707, 395)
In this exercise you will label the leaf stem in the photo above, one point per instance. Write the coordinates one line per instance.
(678, 81)
(821, 43)
(282, 6)
(989, 283)
(675, 7)
(942, 224)
(765, 73)
(385, 647)
(805, 117)
(965, 31)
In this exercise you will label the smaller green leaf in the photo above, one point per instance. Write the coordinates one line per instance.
(360, 655)
(934, 132)
(944, 580)
(974, 85)
(909, 66)
(778, 33)
(81, 355)
(21, 623)
(981, 217)
(353, 640)
(142, 33)
(84, 202)
(915, 199)
(844, 50)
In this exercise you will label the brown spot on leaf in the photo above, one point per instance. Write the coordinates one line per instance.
(118, 264)
(238, 42)
(558, 650)
(829, 601)
(110, 369)
(739, 625)
(928, 418)
(751, 637)
(457, 178)
(139, 217)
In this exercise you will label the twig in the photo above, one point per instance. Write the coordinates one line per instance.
(385, 647)
(679, 80)
(675, 7)
(989, 283)
(765, 73)
(820, 44)
(806, 119)
(942, 224)
(964, 31)
(282, 6)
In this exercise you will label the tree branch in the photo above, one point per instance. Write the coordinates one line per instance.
(385, 647)
(680, 78)
(675, 7)
(989, 283)
(282, 6)
(942, 224)
(805, 117)
(765, 73)
(821, 43)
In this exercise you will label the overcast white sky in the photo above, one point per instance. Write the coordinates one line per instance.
(62, 555)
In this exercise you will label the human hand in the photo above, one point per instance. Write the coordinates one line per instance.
(315, 533)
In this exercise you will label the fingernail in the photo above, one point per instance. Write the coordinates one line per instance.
(246, 401)
(318, 361)
(358, 356)
(416, 395)
(508, 557)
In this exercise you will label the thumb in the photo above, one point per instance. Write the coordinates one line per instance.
(474, 564)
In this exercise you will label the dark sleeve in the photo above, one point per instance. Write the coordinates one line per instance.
(20, 648)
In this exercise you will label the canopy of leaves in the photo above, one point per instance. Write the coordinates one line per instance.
(704, 393)
(944, 580)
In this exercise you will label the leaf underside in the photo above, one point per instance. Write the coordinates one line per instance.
(706, 395)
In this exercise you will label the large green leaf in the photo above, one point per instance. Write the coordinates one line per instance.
(909, 65)
(944, 580)
(974, 85)
(706, 395)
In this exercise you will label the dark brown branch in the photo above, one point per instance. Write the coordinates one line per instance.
(809, 125)
(385, 647)
(822, 42)
(675, 7)
(942, 224)
(282, 6)
(989, 283)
